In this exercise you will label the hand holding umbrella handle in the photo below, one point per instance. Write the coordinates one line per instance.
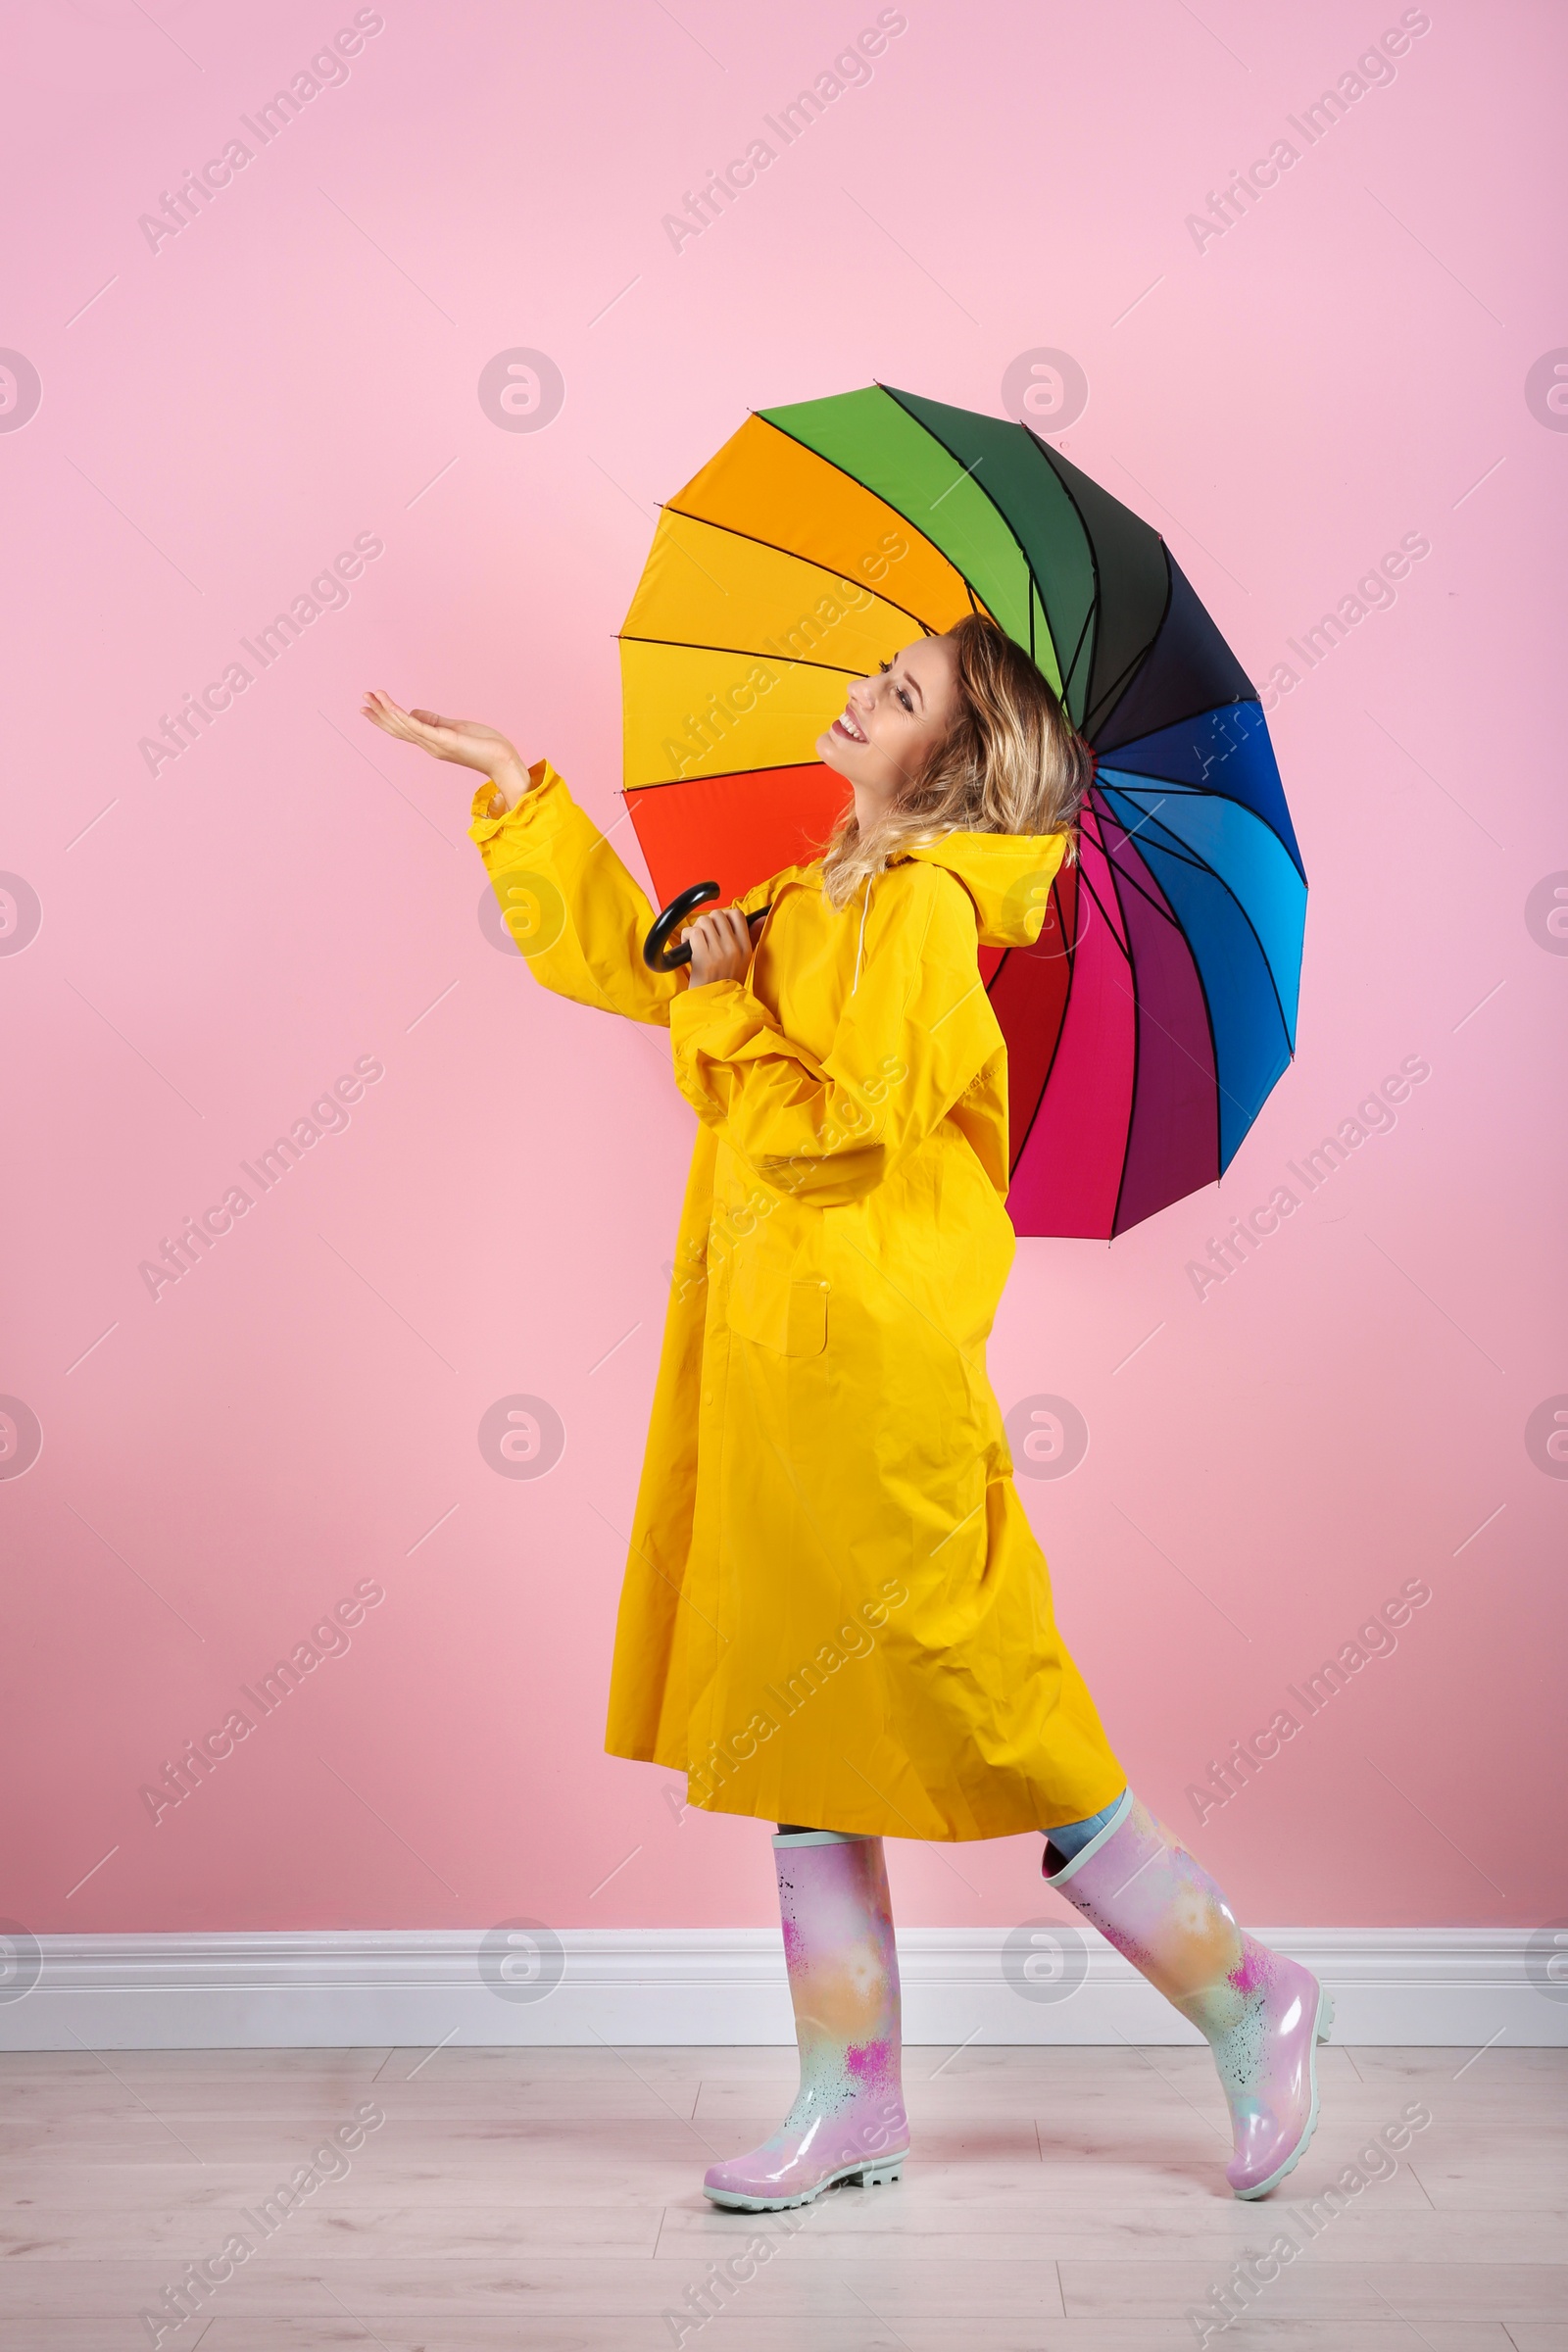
(657, 955)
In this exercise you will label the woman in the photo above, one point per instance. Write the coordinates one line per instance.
(835, 1614)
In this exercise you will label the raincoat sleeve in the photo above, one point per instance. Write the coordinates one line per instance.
(574, 910)
(915, 1033)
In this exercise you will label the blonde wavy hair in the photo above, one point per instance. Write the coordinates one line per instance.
(1013, 762)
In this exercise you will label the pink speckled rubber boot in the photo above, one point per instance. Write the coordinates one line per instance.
(1262, 2014)
(847, 2121)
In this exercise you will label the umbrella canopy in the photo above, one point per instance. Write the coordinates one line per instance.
(1147, 1027)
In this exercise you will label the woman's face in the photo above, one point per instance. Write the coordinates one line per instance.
(892, 722)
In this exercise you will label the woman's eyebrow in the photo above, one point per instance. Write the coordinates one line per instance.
(910, 679)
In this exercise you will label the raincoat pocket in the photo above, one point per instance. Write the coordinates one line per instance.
(788, 1316)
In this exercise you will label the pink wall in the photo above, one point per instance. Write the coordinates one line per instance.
(220, 941)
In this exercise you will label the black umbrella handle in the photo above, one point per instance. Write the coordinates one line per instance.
(657, 955)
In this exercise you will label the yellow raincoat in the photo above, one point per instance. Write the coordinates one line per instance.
(834, 1611)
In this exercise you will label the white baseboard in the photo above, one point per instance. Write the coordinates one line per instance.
(1455, 1988)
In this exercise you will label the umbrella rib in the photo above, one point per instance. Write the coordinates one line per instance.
(1121, 684)
(1138, 782)
(1086, 884)
(999, 512)
(1172, 844)
(1153, 904)
(1141, 782)
(1165, 912)
(815, 562)
(1098, 601)
(1138, 1036)
(1181, 855)
(1143, 1012)
(1092, 611)
(847, 476)
(1198, 792)
(744, 653)
(1119, 687)
(1133, 781)
(1122, 687)
(1129, 833)
(1091, 615)
(1099, 791)
(1185, 853)
(1220, 1087)
(1062, 1030)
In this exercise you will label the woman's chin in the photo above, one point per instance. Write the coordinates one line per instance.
(830, 751)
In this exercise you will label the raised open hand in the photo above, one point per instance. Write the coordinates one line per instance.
(465, 741)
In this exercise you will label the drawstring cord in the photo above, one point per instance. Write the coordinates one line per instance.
(864, 911)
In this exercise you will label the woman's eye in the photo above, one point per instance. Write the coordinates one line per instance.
(905, 700)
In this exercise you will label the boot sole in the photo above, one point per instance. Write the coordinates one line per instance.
(1320, 2033)
(861, 2175)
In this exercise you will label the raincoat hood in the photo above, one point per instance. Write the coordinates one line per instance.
(1007, 875)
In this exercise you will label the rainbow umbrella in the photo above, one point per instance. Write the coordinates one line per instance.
(1149, 1025)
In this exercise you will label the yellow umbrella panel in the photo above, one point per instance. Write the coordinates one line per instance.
(735, 655)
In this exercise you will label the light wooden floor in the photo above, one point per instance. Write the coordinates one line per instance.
(1058, 2200)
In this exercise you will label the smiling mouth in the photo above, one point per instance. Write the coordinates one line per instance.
(847, 727)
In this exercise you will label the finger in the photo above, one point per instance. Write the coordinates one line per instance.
(397, 723)
(391, 722)
(387, 713)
